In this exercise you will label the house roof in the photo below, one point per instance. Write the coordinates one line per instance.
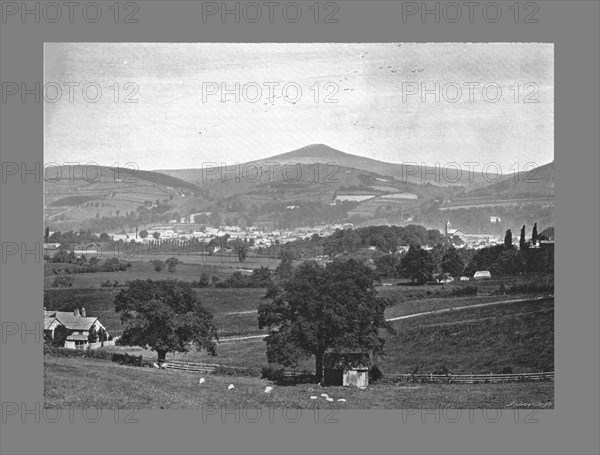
(48, 322)
(71, 321)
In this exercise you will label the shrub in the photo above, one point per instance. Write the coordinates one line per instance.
(62, 281)
(272, 374)
(224, 370)
(375, 373)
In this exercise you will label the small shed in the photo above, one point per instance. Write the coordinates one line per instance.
(346, 369)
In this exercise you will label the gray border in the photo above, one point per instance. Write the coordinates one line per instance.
(570, 428)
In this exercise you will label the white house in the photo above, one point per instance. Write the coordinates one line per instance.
(78, 325)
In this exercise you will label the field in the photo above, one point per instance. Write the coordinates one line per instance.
(223, 302)
(78, 382)
(190, 268)
(508, 337)
(516, 337)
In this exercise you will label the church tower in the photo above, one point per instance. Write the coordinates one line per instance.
(448, 226)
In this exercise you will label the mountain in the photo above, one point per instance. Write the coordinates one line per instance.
(325, 155)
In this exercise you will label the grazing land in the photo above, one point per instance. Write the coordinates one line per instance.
(81, 382)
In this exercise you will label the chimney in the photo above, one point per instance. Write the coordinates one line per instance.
(82, 312)
(76, 311)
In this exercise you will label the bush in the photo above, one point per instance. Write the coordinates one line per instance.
(272, 374)
(62, 281)
(126, 359)
(64, 352)
(375, 373)
(224, 370)
(463, 292)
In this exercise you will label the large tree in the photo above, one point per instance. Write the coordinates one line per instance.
(166, 316)
(452, 263)
(417, 265)
(508, 239)
(320, 309)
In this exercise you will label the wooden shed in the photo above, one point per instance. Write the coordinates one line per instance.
(346, 369)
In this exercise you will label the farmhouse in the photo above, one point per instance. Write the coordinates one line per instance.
(346, 369)
(76, 325)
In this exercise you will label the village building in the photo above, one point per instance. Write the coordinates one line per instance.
(77, 326)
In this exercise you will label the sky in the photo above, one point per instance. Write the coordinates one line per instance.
(360, 98)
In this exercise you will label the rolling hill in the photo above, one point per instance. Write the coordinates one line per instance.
(77, 193)
(264, 188)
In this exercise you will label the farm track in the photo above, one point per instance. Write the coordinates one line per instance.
(410, 316)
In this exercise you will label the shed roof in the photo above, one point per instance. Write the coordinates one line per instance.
(346, 360)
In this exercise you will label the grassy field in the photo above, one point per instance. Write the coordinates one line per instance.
(143, 270)
(519, 336)
(80, 382)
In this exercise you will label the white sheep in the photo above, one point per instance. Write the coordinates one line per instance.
(342, 399)
(230, 387)
(313, 397)
(329, 399)
(324, 395)
(201, 381)
(268, 389)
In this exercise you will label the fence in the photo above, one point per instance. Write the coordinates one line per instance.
(207, 368)
(191, 366)
(472, 378)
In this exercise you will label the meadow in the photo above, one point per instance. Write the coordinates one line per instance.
(78, 382)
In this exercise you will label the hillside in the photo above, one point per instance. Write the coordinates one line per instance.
(535, 183)
(74, 194)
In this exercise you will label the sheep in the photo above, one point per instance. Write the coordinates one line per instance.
(201, 381)
(342, 399)
(313, 397)
(268, 389)
(230, 387)
(329, 399)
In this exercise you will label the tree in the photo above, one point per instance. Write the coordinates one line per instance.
(166, 316)
(452, 263)
(534, 235)
(417, 265)
(93, 335)
(156, 235)
(284, 270)
(241, 249)
(321, 309)
(102, 335)
(508, 239)
(46, 233)
(171, 264)
(158, 265)
(143, 234)
(522, 241)
(204, 281)
(387, 266)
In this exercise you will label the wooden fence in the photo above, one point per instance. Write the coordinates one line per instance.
(207, 368)
(472, 378)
